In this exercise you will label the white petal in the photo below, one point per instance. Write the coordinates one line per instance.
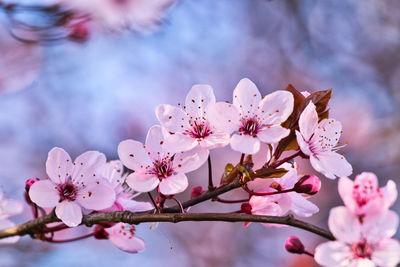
(88, 165)
(328, 130)
(198, 99)
(190, 160)
(133, 155)
(142, 182)
(345, 188)
(273, 134)
(344, 225)
(379, 226)
(173, 184)
(290, 178)
(331, 164)
(58, 165)
(387, 253)
(361, 263)
(246, 97)
(10, 207)
(333, 254)
(389, 193)
(245, 144)
(113, 172)
(308, 121)
(155, 140)
(172, 118)
(69, 212)
(215, 140)
(134, 206)
(44, 194)
(96, 196)
(224, 117)
(9, 240)
(179, 142)
(275, 108)
(301, 206)
(304, 146)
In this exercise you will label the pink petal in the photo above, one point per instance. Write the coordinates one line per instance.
(155, 141)
(124, 239)
(331, 164)
(361, 263)
(58, 165)
(345, 188)
(304, 146)
(113, 172)
(301, 206)
(330, 130)
(96, 196)
(224, 117)
(379, 226)
(275, 108)
(386, 253)
(344, 225)
(190, 160)
(9, 240)
(246, 97)
(179, 142)
(88, 165)
(290, 178)
(134, 206)
(69, 212)
(10, 207)
(215, 140)
(133, 155)
(142, 182)
(198, 99)
(273, 134)
(172, 118)
(308, 121)
(333, 254)
(245, 144)
(44, 194)
(389, 193)
(173, 184)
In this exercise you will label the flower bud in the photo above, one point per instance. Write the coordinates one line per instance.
(294, 245)
(196, 192)
(100, 232)
(79, 31)
(29, 183)
(308, 184)
(245, 208)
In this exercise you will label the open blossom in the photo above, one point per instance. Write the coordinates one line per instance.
(358, 244)
(8, 208)
(319, 141)
(191, 125)
(73, 185)
(154, 165)
(251, 118)
(363, 196)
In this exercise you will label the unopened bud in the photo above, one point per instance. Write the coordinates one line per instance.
(196, 192)
(79, 31)
(29, 183)
(294, 245)
(245, 208)
(100, 232)
(308, 184)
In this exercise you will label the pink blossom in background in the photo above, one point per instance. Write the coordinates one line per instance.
(122, 235)
(251, 118)
(73, 185)
(190, 125)
(319, 141)
(154, 165)
(360, 244)
(363, 196)
(8, 208)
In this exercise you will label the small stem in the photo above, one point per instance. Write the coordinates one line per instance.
(210, 178)
(71, 239)
(231, 201)
(280, 162)
(308, 253)
(241, 159)
(252, 193)
(179, 204)
(152, 201)
(54, 229)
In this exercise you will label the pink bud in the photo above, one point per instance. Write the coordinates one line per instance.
(308, 184)
(294, 245)
(196, 192)
(100, 232)
(79, 31)
(245, 208)
(29, 183)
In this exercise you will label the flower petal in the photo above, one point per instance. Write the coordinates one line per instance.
(198, 99)
(172, 118)
(44, 194)
(245, 143)
(333, 254)
(345, 188)
(361, 263)
(133, 205)
(179, 142)
(113, 172)
(331, 164)
(9, 240)
(133, 155)
(173, 184)
(246, 97)
(273, 134)
(124, 239)
(96, 196)
(58, 165)
(215, 140)
(155, 140)
(329, 131)
(190, 160)
(389, 193)
(10, 207)
(308, 121)
(69, 212)
(379, 226)
(386, 253)
(344, 225)
(224, 117)
(275, 108)
(88, 165)
(304, 146)
(301, 206)
(142, 182)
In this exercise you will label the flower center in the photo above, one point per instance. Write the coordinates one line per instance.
(250, 126)
(67, 191)
(199, 130)
(162, 168)
(364, 191)
(362, 250)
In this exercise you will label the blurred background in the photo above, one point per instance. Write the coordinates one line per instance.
(92, 95)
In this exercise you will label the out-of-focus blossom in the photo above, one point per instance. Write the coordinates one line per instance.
(360, 244)
(73, 185)
(251, 118)
(196, 192)
(8, 208)
(319, 141)
(363, 196)
(123, 236)
(113, 172)
(294, 245)
(190, 125)
(155, 166)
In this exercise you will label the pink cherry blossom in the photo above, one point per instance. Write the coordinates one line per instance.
(319, 141)
(123, 236)
(113, 172)
(154, 165)
(8, 208)
(73, 185)
(363, 196)
(360, 244)
(191, 125)
(251, 118)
